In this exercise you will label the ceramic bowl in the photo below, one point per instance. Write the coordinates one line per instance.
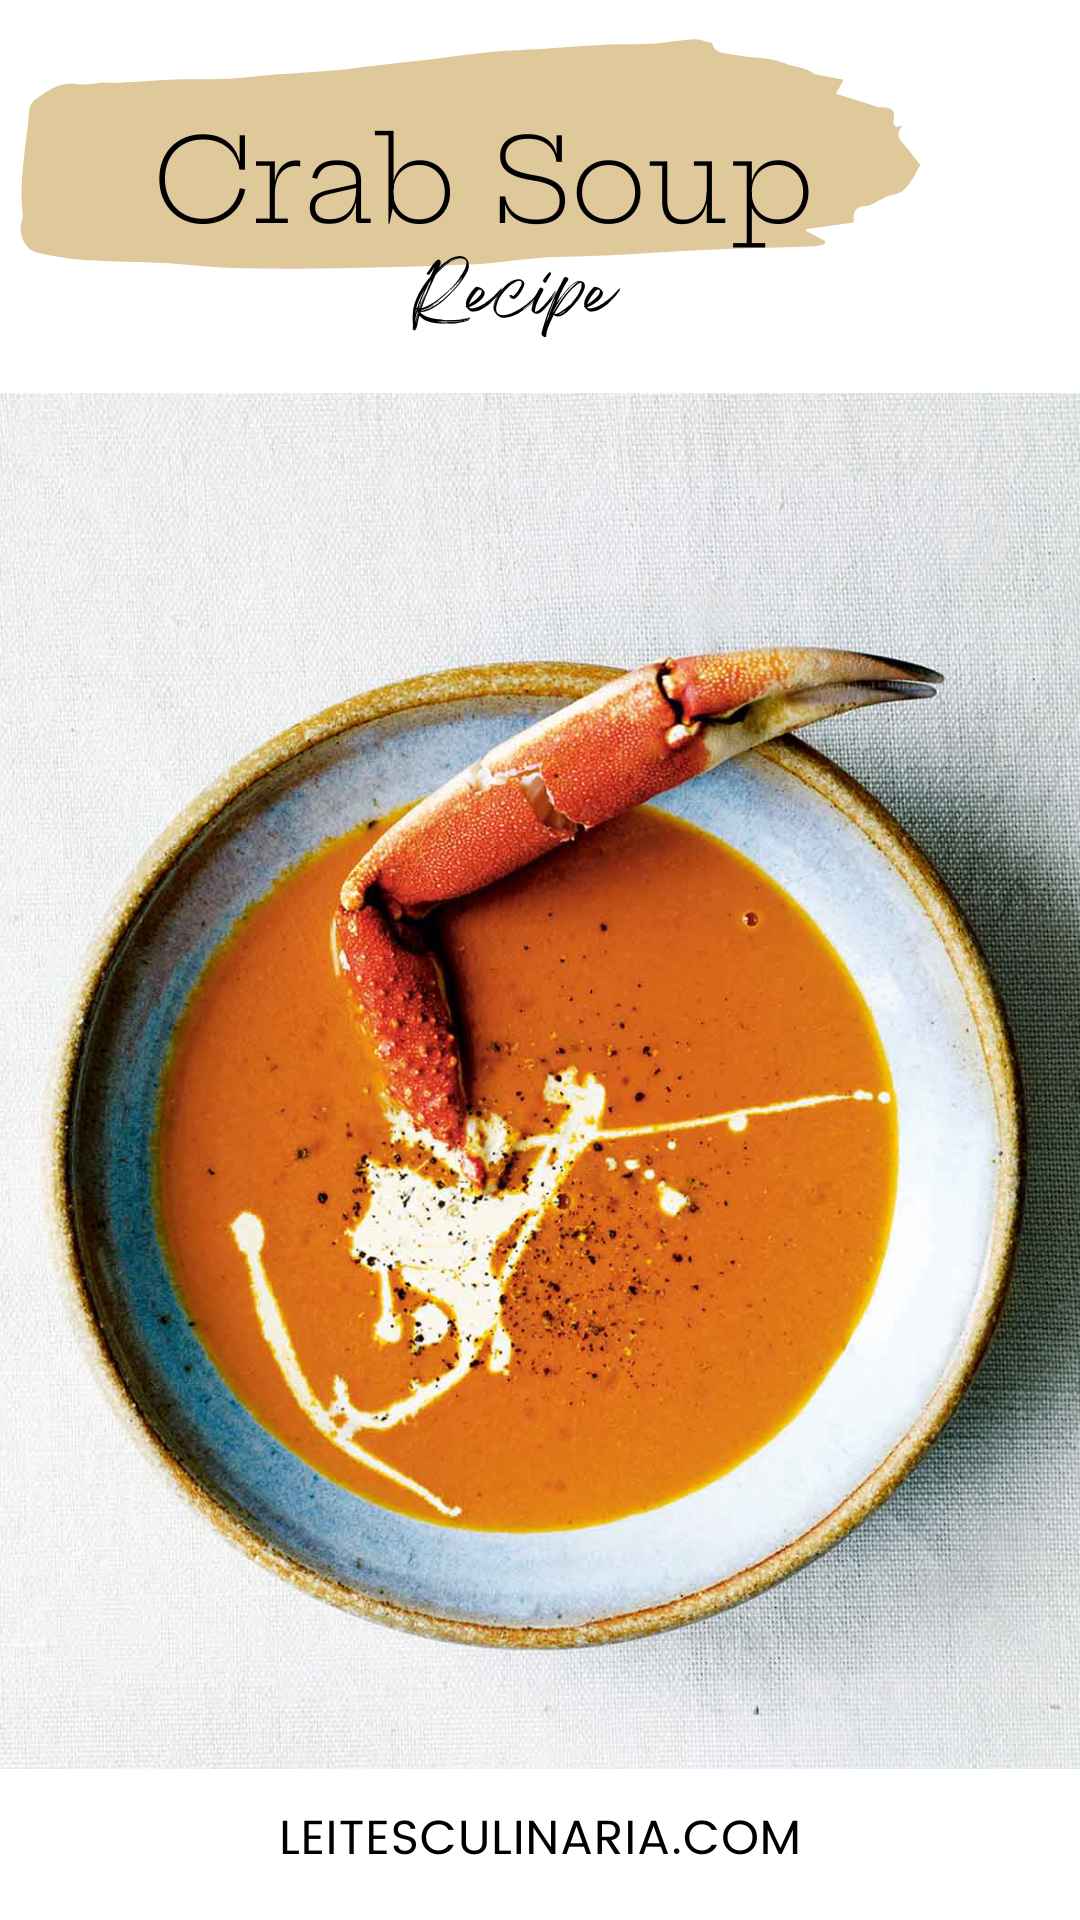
(941, 1284)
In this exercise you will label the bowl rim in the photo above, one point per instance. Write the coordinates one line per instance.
(566, 681)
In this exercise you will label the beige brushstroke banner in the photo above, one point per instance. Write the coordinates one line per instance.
(294, 170)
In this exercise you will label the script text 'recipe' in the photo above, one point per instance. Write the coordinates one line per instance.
(606, 192)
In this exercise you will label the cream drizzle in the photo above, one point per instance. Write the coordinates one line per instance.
(250, 1236)
(441, 1239)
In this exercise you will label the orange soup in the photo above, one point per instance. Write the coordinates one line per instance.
(696, 1148)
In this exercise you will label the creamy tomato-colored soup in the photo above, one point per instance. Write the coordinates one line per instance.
(693, 1149)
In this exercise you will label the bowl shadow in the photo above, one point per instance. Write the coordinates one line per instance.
(1029, 930)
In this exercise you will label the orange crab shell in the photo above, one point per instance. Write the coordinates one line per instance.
(401, 993)
(642, 733)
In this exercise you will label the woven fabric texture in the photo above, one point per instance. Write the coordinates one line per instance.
(182, 577)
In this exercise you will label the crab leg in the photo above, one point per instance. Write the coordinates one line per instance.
(642, 733)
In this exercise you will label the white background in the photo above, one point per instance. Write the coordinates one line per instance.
(181, 579)
(892, 1845)
(964, 280)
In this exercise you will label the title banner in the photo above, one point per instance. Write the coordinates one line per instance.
(571, 151)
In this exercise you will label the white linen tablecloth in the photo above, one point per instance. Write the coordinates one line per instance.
(182, 577)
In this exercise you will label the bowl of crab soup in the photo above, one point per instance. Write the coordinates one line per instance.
(732, 1231)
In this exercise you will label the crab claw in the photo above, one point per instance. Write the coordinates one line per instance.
(637, 736)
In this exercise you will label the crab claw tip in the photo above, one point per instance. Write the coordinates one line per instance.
(912, 671)
(903, 689)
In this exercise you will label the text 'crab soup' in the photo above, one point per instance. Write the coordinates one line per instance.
(688, 1117)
